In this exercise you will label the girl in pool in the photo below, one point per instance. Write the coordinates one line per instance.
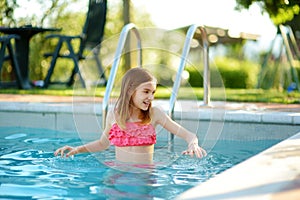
(130, 126)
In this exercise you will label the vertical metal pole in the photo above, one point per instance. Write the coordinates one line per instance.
(115, 65)
(284, 35)
(206, 78)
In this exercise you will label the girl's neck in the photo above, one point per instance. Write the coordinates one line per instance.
(134, 115)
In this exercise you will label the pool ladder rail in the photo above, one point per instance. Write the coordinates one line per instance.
(190, 34)
(206, 79)
(123, 36)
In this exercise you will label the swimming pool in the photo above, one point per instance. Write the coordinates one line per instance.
(29, 170)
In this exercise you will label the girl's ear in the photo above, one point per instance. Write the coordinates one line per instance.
(132, 94)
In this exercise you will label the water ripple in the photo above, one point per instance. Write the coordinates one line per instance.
(15, 136)
(29, 170)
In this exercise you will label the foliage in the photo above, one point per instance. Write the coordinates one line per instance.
(235, 73)
(58, 13)
(234, 95)
(280, 11)
(6, 11)
(50, 10)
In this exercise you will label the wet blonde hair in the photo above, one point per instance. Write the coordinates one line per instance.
(130, 81)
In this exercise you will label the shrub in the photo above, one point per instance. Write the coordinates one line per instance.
(234, 73)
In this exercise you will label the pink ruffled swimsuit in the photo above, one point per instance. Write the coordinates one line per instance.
(136, 134)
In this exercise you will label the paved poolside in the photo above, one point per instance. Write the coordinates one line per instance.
(266, 107)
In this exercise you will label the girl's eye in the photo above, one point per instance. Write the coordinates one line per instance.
(148, 91)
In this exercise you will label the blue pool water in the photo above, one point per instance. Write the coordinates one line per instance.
(28, 169)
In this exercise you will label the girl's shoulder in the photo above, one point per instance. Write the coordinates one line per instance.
(155, 109)
(111, 116)
(157, 113)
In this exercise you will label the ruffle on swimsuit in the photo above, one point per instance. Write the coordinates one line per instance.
(136, 134)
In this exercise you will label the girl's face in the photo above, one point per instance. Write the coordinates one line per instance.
(143, 95)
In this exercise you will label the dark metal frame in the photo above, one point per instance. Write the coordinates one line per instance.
(6, 46)
(90, 37)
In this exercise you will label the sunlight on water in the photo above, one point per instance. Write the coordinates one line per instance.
(28, 168)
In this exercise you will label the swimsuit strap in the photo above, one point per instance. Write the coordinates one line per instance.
(113, 120)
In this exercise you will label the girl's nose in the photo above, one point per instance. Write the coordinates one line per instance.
(151, 96)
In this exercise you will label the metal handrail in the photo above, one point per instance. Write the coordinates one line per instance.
(115, 65)
(293, 40)
(286, 35)
(206, 79)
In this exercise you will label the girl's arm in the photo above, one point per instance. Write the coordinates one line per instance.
(165, 121)
(94, 146)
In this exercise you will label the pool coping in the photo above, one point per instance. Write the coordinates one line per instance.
(233, 112)
(271, 174)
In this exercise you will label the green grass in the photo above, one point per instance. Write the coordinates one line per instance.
(234, 95)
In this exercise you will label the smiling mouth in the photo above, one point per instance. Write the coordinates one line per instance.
(146, 103)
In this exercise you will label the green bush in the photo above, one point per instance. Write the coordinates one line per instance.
(195, 76)
(234, 73)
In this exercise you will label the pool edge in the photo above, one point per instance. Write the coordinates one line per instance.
(60, 116)
(271, 174)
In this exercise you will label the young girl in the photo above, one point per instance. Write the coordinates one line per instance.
(131, 125)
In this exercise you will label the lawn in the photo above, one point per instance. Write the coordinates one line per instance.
(234, 95)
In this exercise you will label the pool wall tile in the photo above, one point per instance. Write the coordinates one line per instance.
(225, 130)
(86, 123)
(65, 121)
(86, 117)
(28, 119)
(296, 118)
(243, 116)
(277, 117)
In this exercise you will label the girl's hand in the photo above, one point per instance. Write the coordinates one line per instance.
(194, 149)
(71, 151)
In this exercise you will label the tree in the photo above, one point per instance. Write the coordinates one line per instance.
(7, 10)
(57, 13)
(50, 10)
(54, 13)
(280, 11)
